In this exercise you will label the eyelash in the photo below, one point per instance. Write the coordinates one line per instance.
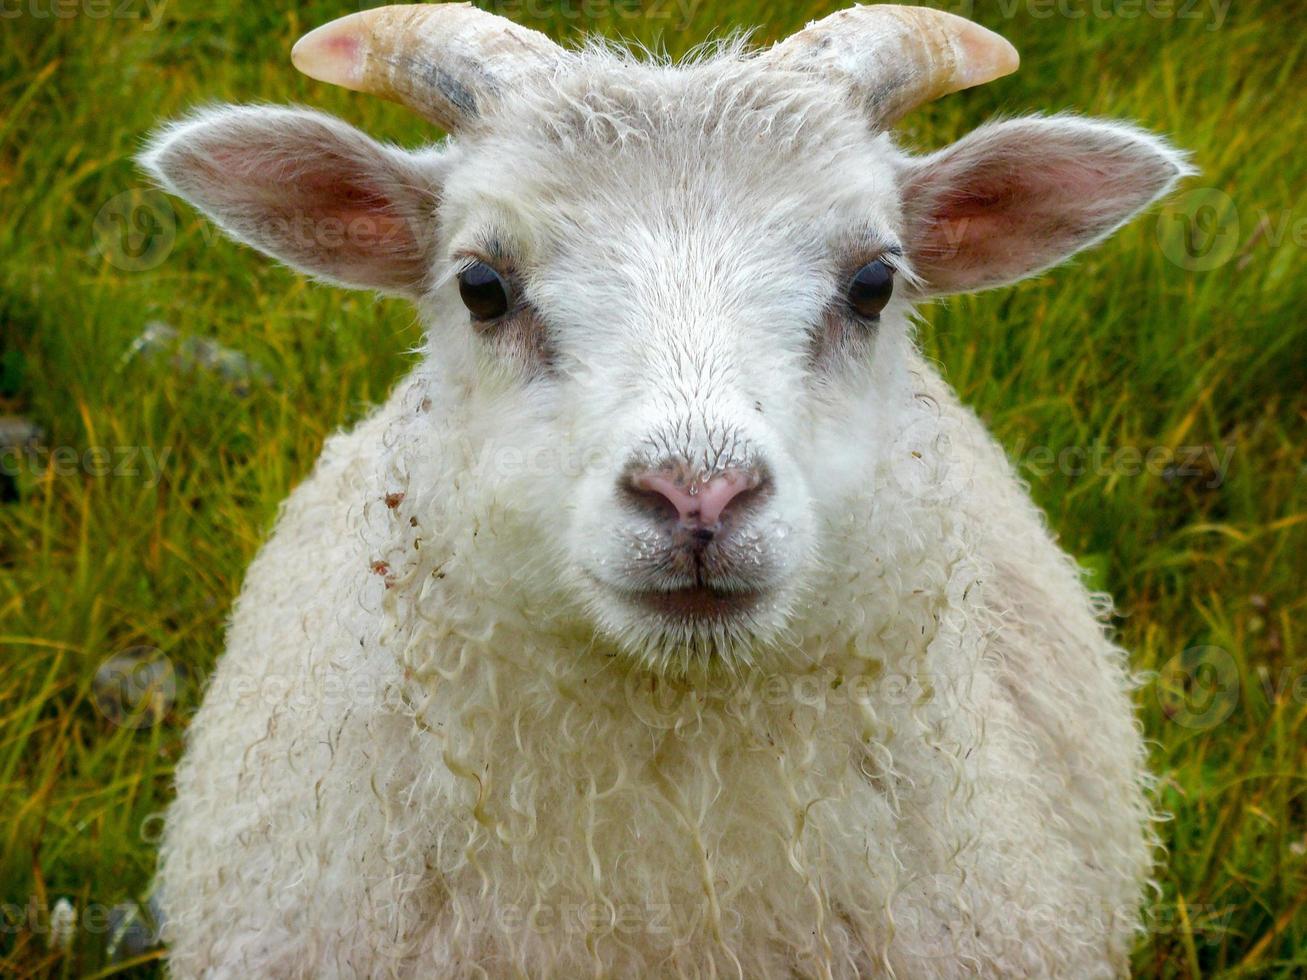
(891, 255)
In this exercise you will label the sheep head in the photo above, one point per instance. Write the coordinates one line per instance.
(691, 283)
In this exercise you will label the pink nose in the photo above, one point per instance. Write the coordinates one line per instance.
(698, 503)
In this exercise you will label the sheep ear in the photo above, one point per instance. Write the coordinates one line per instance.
(309, 190)
(1016, 197)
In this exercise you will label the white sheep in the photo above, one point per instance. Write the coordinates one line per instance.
(672, 617)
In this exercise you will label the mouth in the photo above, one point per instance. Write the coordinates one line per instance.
(695, 602)
(673, 625)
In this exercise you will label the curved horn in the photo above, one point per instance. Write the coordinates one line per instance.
(446, 61)
(896, 58)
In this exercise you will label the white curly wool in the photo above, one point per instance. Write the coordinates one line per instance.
(430, 750)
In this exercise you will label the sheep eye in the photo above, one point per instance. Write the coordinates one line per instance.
(870, 289)
(483, 290)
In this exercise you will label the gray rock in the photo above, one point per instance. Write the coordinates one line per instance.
(17, 432)
(239, 370)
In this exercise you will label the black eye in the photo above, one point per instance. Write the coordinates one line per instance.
(483, 291)
(870, 289)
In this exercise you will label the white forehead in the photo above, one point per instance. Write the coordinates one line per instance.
(616, 159)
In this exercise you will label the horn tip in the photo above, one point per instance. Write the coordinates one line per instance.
(987, 56)
(333, 53)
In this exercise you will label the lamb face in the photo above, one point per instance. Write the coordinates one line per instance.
(682, 290)
(678, 247)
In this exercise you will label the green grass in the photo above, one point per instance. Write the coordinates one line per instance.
(1129, 348)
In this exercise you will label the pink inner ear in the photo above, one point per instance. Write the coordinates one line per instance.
(1018, 197)
(1005, 221)
(319, 210)
(317, 181)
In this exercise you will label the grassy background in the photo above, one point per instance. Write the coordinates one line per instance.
(1187, 330)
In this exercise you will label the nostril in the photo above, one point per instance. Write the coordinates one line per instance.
(757, 488)
(654, 494)
(728, 490)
